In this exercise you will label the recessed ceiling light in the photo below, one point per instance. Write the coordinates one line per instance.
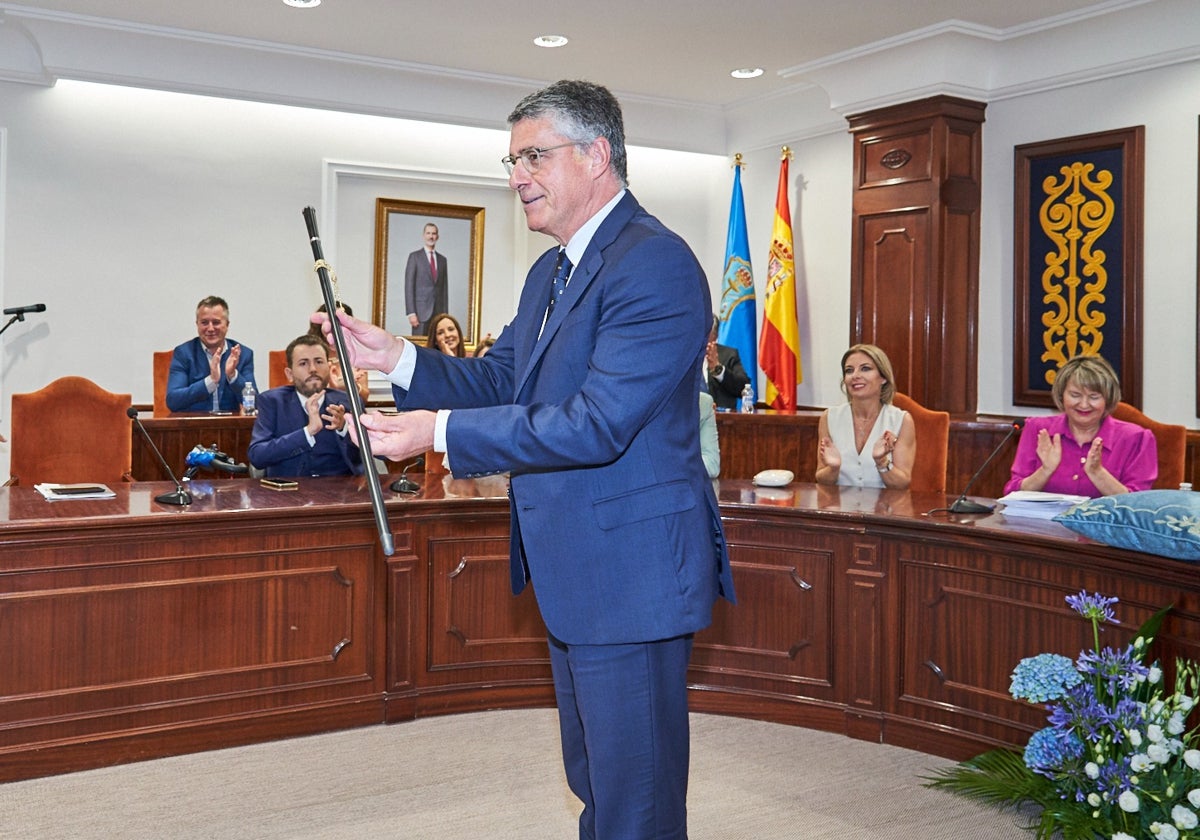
(550, 40)
(746, 73)
(302, 4)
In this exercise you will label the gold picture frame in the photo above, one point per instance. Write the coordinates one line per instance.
(398, 234)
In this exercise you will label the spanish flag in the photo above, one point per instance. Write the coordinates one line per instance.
(779, 342)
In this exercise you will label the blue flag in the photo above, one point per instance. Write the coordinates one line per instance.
(738, 312)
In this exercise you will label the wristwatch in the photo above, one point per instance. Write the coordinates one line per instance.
(718, 370)
(886, 467)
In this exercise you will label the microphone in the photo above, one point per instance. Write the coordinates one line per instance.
(179, 496)
(964, 505)
(215, 459)
(403, 484)
(22, 311)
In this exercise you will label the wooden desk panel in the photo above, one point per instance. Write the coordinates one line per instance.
(177, 434)
(130, 629)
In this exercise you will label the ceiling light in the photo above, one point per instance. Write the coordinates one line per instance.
(550, 40)
(302, 4)
(746, 73)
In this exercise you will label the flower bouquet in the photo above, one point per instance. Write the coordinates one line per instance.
(1117, 761)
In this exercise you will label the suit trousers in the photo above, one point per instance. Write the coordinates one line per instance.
(623, 717)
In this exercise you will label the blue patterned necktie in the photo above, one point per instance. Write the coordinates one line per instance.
(562, 270)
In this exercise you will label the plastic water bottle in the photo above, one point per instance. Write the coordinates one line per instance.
(1185, 485)
(249, 400)
(746, 406)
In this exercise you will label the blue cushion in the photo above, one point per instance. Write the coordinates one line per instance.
(1165, 522)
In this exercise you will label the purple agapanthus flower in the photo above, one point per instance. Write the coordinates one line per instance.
(1118, 668)
(1095, 607)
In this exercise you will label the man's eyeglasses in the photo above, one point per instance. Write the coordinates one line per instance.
(531, 159)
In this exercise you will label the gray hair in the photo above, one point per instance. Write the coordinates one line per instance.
(581, 111)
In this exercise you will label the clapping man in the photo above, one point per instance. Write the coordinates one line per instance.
(300, 429)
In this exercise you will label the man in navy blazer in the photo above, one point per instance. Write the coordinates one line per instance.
(209, 372)
(300, 429)
(590, 405)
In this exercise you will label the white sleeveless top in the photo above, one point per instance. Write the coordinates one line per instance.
(858, 468)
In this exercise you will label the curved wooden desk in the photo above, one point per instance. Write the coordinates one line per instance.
(132, 630)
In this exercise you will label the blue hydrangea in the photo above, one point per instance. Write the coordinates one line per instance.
(1051, 749)
(1044, 677)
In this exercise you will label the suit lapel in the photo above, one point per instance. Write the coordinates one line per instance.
(581, 278)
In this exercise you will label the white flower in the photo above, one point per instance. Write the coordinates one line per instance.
(1092, 769)
(1176, 725)
(1164, 831)
(1094, 799)
(1192, 759)
(1154, 732)
(1194, 797)
(1135, 738)
(1184, 702)
(1140, 763)
(1158, 753)
(1121, 835)
(1128, 801)
(1184, 818)
(1155, 675)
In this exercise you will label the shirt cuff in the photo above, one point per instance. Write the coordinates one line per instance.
(401, 375)
(439, 430)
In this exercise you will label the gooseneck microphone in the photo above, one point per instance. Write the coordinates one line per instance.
(404, 484)
(964, 505)
(178, 496)
(22, 311)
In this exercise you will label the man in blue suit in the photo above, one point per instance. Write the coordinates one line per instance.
(300, 429)
(590, 405)
(209, 372)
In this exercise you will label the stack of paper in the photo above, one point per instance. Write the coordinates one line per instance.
(55, 492)
(1034, 504)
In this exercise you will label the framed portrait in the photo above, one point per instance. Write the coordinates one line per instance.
(1077, 273)
(407, 287)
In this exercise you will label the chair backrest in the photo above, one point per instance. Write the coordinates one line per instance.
(71, 431)
(933, 444)
(277, 362)
(162, 369)
(1171, 441)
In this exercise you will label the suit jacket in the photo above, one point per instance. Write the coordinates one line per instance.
(422, 294)
(278, 443)
(189, 367)
(613, 516)
(728, 390)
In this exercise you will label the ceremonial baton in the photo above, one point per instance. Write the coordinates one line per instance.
(356, 404)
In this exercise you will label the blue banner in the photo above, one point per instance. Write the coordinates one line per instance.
(738, 313)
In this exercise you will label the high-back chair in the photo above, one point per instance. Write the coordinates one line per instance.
(71, 431)
(933, 444)
(1171, 441)
(162, 370)
(277, 363)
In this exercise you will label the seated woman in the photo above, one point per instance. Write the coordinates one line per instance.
(867, 442)
(446, 335)
(1083, 451)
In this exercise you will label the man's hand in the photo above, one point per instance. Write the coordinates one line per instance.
(710, 353)
(334, 417)
(235, 353)
(367, 345)
(400, 436)
(312, 407)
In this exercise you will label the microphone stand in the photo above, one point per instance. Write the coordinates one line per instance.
(404, 484)
(178, 496)
(964, 505)
(356, 404)
(20, 316)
